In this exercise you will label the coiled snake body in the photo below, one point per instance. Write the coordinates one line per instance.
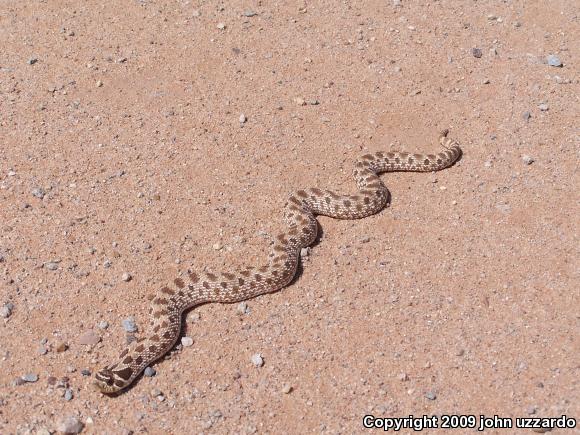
(172, 300)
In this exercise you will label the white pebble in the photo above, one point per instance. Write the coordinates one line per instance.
(70, 425)
(243, 118)
(528, 160)
(257, 360)
(243, 308)
(186, 341)
(126, 277)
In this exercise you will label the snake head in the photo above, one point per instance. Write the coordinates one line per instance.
(107, 383)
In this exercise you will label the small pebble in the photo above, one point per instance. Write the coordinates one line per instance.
(126, 277)
(61, 347)
(243, 308)
(526, 115)
(554, 60)
(30, 377)
(243, 118)
(257, 360)
(543, 107)
(287, 389)
(129, 325)
(32, 61)
(19, 381)
(528, 160)
(186, 341)
(249, 13)
(149, 372)
(6, 310)
(196, 13)
(103, 324)
(221, 26)
(431, 395)
(99, 83)
(156, 392)
(68, 394)
(70, 425)
(89, 338)
(51, 265)
(531, 410)
(365, 239)
(476, 52)
(299, 101)
(85, 372)
(217, 246)
(38, 192)
(404, 377)
(42, 350)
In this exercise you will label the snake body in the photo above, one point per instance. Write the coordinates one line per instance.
(185, 292)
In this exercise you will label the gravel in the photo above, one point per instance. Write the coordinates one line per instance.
(476, 52)
(243, 308)
(6, 310)
(30, 377)
(70, 425)
(528, 160)
(38, 192)
(243, 119)
(149, 372)
(68, 394)
(126, 277)
(526, 115)
(61, 346)
(287, 389)
(103, 324)
(51, 265)
(89, 338)
(129, 325)
(186, 341)
(543, 107)
(554, 60)
(257, 360)
(32, 61)
(431, 395)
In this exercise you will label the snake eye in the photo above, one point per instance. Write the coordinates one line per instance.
(110, 381)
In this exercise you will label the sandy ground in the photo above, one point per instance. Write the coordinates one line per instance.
(122, 151)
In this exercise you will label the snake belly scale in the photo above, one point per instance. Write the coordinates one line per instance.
(169, 303)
